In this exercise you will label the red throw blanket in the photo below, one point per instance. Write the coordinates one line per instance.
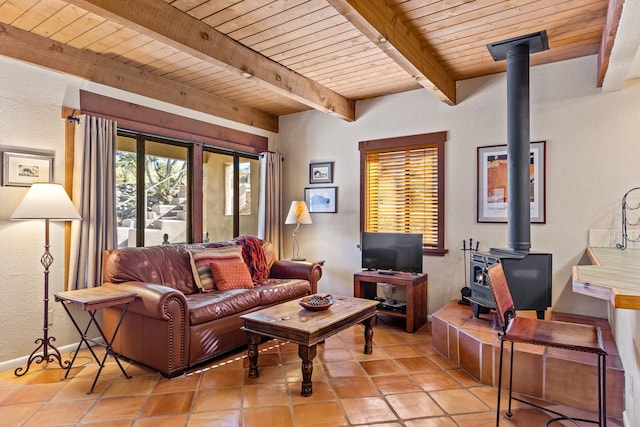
(254, 257)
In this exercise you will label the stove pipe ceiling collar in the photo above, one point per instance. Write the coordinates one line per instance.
(517, 51)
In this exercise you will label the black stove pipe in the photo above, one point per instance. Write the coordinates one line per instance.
(518, 162)
(517, 51)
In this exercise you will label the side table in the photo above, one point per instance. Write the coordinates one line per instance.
(365, 286)
(91, 300)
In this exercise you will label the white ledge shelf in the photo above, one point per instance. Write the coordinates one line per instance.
(613, 276)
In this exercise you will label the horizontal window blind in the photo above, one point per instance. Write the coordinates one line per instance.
(402, 193)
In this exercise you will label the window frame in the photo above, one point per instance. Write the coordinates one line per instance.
(435, 139)
(195, 155)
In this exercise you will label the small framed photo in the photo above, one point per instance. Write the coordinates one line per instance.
(321, 173)
(25, 168)
(321, 199)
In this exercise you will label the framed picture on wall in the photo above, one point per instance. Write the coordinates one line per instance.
(24, 168)
(321, 199)
(492, 183)
(321, 173)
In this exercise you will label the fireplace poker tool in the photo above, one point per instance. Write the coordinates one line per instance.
(466, 290)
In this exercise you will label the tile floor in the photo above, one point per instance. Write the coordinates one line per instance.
(405, 382)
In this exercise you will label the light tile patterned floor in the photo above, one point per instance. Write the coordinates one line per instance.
(405, 382)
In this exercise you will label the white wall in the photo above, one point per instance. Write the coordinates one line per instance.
(593, 152)
(30, 117)
(31, 100)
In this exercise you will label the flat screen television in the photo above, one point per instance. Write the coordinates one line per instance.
(392, 252)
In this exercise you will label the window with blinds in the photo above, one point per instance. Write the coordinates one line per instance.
(403, 187)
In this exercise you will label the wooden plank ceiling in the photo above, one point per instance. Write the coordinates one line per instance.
(251, 61)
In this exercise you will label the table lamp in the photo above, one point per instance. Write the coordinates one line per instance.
(51, 203)
(298, 214)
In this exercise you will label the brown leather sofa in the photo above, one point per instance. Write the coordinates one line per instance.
(172, 325)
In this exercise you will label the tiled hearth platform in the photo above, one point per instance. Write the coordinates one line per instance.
(555, 375)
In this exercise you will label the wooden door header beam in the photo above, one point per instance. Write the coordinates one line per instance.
(26, 46)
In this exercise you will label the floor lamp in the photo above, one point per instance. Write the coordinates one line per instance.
(298, 214)
(51, 203)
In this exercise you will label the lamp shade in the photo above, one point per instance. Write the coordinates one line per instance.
(46, 201)
(298, 213)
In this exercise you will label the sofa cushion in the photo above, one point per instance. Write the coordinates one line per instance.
(231, 273)
(215, 304)
(163, 265)
(279, 290)
(201, 260)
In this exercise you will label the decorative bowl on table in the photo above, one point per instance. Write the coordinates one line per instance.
(317, 302)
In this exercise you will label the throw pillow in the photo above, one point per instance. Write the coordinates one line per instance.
(231, 273)
(200, 263)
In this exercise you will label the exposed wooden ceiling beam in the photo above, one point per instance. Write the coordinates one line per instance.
(186, 33)
(376, 21)
(26, 46)
(614, 12)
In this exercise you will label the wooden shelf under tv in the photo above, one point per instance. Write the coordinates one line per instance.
(365, 284)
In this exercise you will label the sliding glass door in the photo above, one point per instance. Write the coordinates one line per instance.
(155, 198)
(151, 191)
(230, 195)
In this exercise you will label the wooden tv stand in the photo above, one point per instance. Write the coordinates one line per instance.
(365, 284)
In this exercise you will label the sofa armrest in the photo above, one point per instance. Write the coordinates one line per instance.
(311, 271)
(153, 300)
(155, 330)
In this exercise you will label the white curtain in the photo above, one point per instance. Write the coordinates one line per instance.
(270, 215)
(94, 197)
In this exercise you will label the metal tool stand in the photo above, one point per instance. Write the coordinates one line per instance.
(466, 290)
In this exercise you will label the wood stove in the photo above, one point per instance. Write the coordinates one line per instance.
(528, 275)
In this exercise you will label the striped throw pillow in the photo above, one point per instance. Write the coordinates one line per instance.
(201, 264)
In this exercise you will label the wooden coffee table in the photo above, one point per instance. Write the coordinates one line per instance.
(289, 321)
